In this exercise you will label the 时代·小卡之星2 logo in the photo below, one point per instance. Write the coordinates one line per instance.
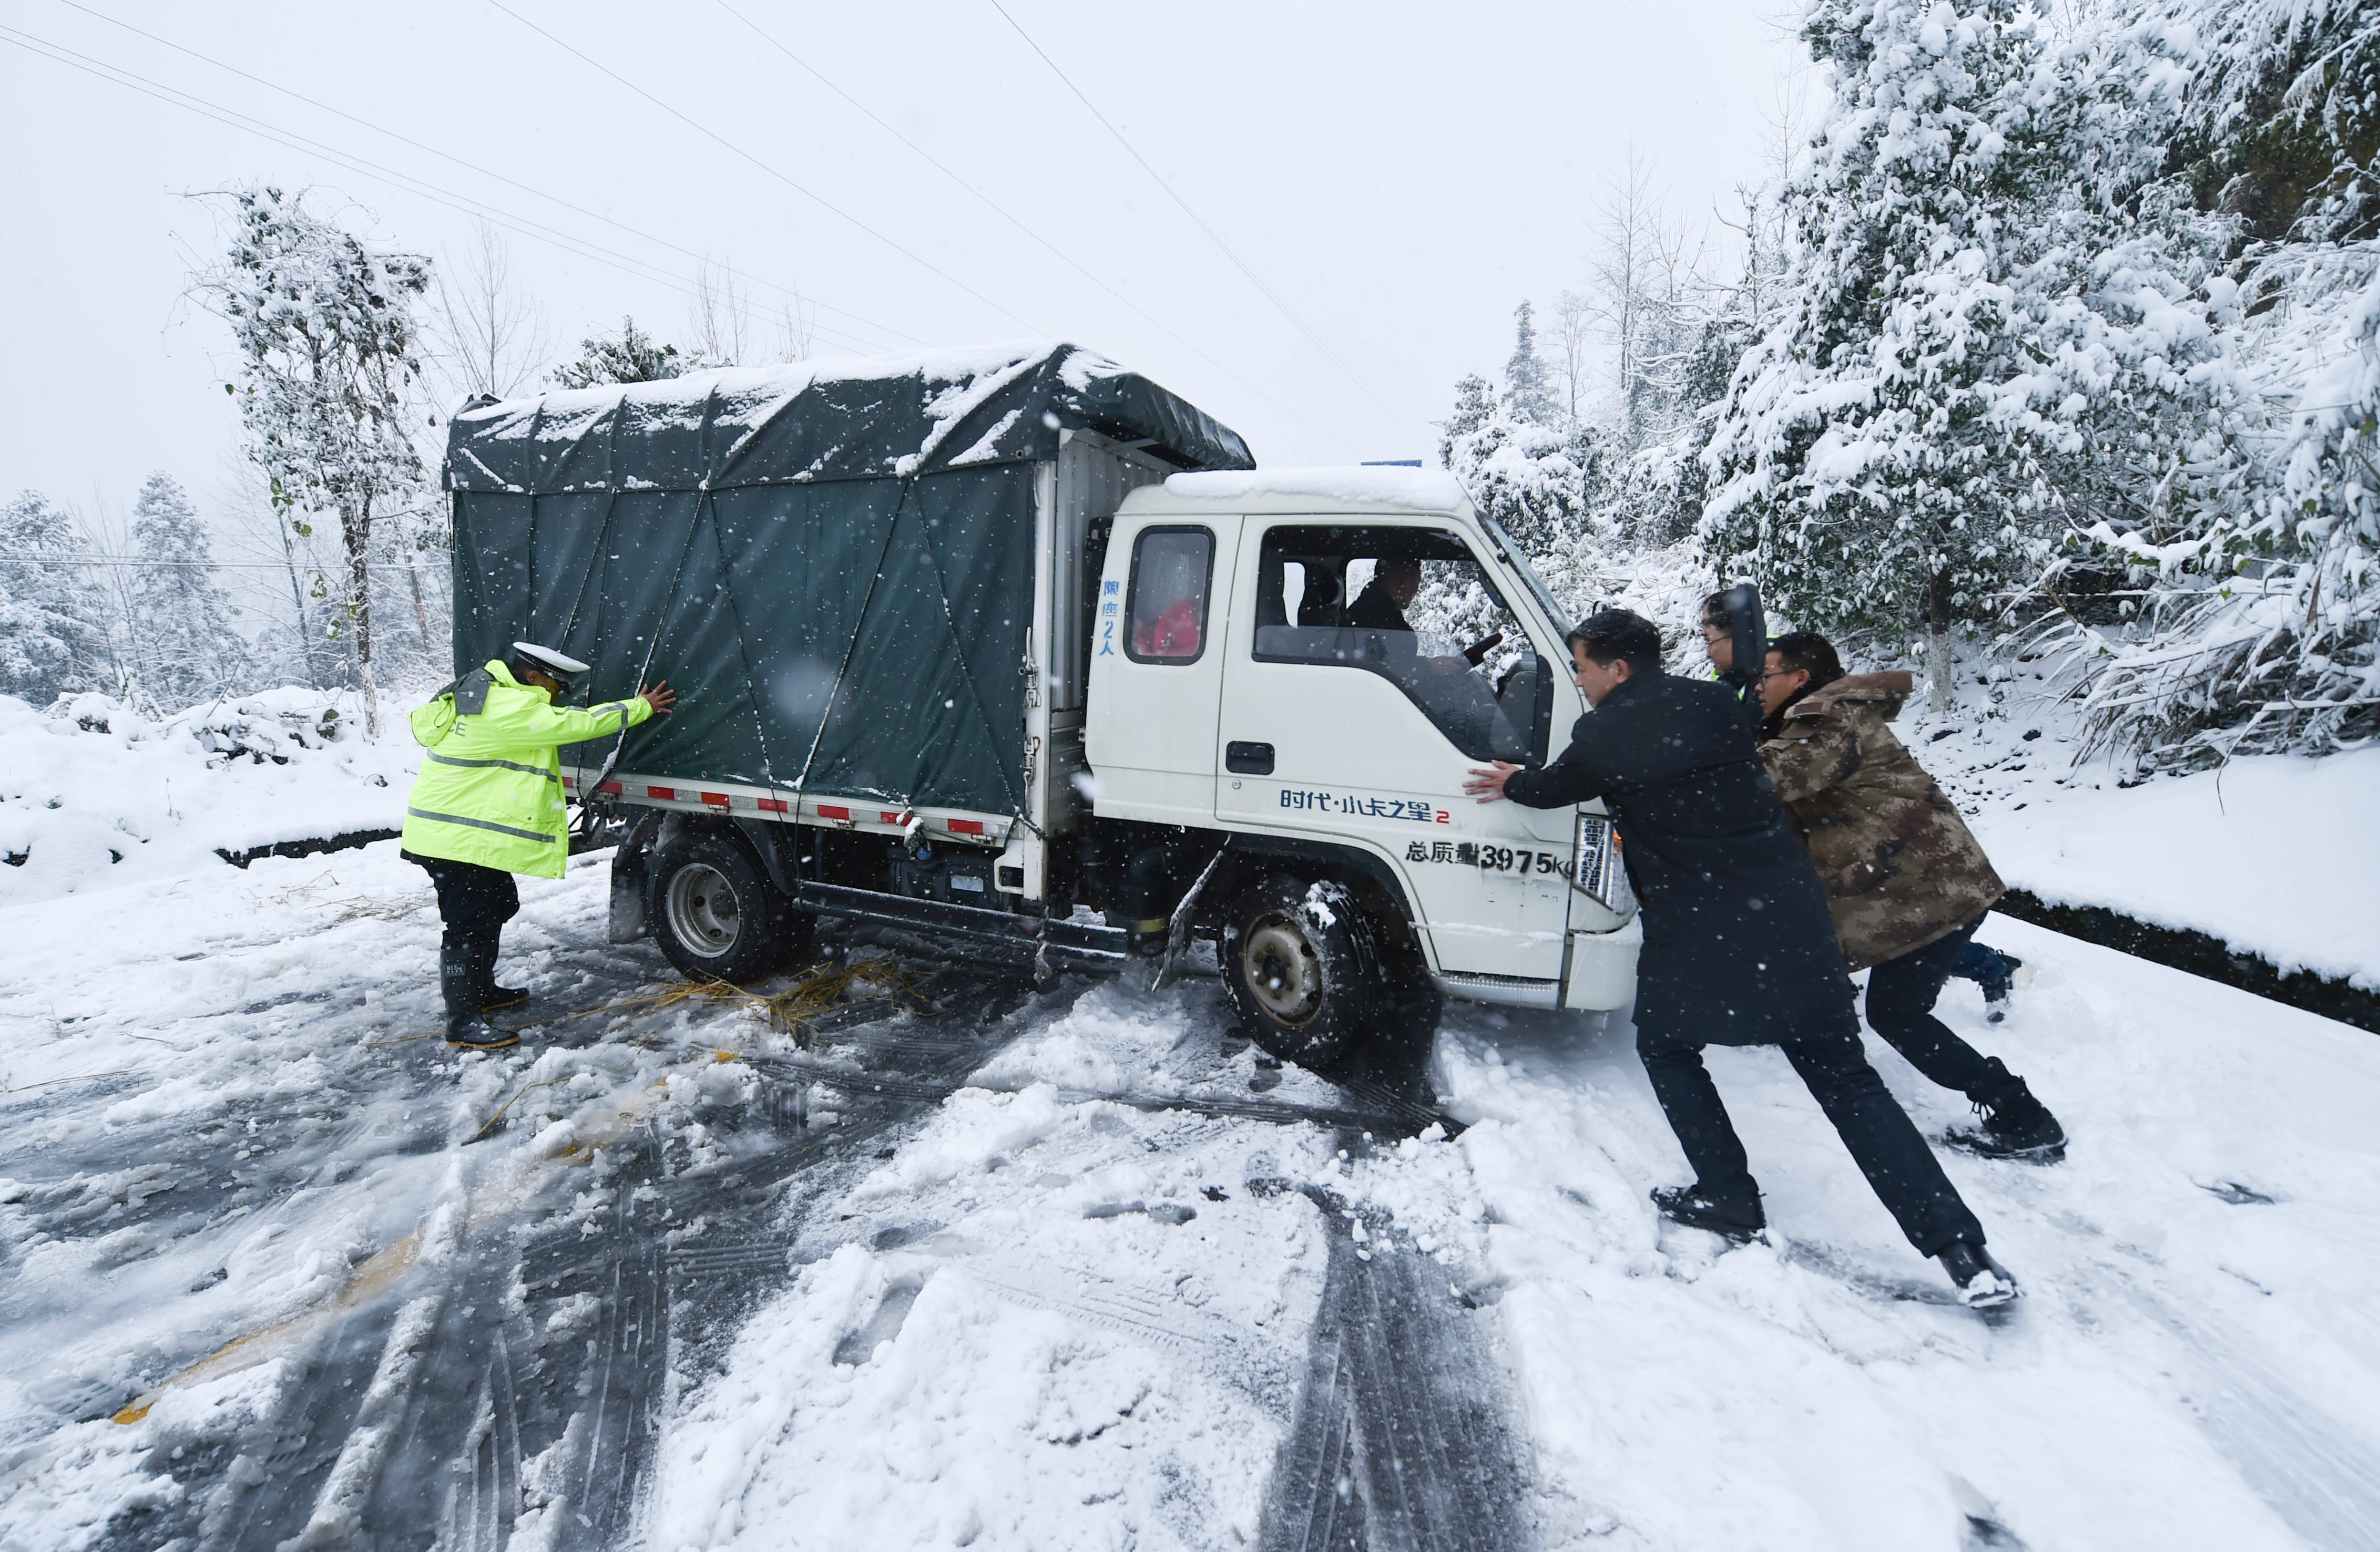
(1411, 810)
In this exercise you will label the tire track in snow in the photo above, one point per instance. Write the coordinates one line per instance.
(1404, 1438)
(539, 1415)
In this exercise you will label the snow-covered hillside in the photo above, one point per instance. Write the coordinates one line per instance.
(93, 796)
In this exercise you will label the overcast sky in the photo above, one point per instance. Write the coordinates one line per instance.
(1399, 176)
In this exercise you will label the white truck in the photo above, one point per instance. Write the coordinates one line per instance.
(1016, 647)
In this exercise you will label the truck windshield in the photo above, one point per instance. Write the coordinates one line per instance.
(1518, 558)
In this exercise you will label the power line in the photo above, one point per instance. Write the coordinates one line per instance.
(486, 172)
(1212, 235)
(334, 565)
(711, 134)
(998, 210)
(232, 118)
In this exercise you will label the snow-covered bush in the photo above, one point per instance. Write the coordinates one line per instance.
(53, 616)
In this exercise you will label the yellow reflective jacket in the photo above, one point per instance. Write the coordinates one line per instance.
(491, 791)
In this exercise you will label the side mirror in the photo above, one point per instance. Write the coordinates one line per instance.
(1749, 635)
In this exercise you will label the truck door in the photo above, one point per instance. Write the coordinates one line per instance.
(1156, 669)
(1372, 665)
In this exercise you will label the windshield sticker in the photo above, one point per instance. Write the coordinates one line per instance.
(1418, 811)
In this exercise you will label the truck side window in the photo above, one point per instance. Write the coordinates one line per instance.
(1166, 621)
(1411, 606)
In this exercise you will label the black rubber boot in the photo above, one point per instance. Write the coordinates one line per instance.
(458, 981)
(1688, 1205)
(477, 1034)
(483, 976)
(1983, 1283)
(2016, 1125)
(493, 997)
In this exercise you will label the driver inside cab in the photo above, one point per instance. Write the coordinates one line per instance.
(1381, 604)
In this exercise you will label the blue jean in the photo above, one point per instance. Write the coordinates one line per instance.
(1982, 964)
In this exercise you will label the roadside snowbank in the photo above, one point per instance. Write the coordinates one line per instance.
(2274, 854)
(93, 796)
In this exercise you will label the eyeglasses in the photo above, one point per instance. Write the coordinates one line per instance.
(1781, 672)
(1716, 627)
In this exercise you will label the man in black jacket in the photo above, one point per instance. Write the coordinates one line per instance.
(1738, 947)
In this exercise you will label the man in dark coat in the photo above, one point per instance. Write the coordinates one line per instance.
(1738, 947)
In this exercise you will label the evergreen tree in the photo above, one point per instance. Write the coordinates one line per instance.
(1528, 387)
(632, 356)
(1539, 483)
(53, 616)
(1475, 405)
(1880, 455)
(327, 342)
(180, 623)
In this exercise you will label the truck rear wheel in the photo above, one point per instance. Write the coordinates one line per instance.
(715, 916)
(1302, 963)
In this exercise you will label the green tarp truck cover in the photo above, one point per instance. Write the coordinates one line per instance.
(832, 562)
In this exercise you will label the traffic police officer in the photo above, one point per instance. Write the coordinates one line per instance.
(489, 804)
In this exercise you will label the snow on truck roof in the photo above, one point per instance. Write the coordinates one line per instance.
(850, 417)
(1362, 488)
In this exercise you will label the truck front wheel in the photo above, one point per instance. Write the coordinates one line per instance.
(1303, 965)
(715, 916)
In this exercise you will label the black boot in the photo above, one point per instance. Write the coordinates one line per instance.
(459, 982)
(1983, 1283)
(1690, 1205)
(477, 1034)
(483, 976)
(2016, 1125)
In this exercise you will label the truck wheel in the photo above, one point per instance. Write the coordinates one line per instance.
(715, 916)
(1303, 967)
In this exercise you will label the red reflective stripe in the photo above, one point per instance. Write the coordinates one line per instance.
(888, 816)
(719, 798)
(772, 805)
(966, 827)
(611, 787)
(670, 792)
(570, 780)
(829, 811)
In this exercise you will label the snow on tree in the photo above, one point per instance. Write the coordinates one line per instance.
(2280, 127)
(1528, 388)
(180, 622)
(1539, 482)
(327, 344)
(53, 638)
(631, 356)
(1860, 472)
(2242, 533)
(1977, 359)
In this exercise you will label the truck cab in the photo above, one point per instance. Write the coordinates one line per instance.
(1298, 670)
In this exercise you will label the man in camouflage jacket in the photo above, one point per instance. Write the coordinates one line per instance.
(1906, 883)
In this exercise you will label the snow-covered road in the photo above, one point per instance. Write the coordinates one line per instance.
(681, 1296)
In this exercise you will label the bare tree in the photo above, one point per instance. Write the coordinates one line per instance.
(1646, 283)
(796, 330)
(1575, 317)
(721, 317)
(494, 338)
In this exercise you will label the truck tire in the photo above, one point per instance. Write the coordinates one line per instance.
(1303, 965)
(715, 915)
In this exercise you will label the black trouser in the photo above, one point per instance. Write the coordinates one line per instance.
(1901, 997)
(1883, 1140)
(474, 903)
